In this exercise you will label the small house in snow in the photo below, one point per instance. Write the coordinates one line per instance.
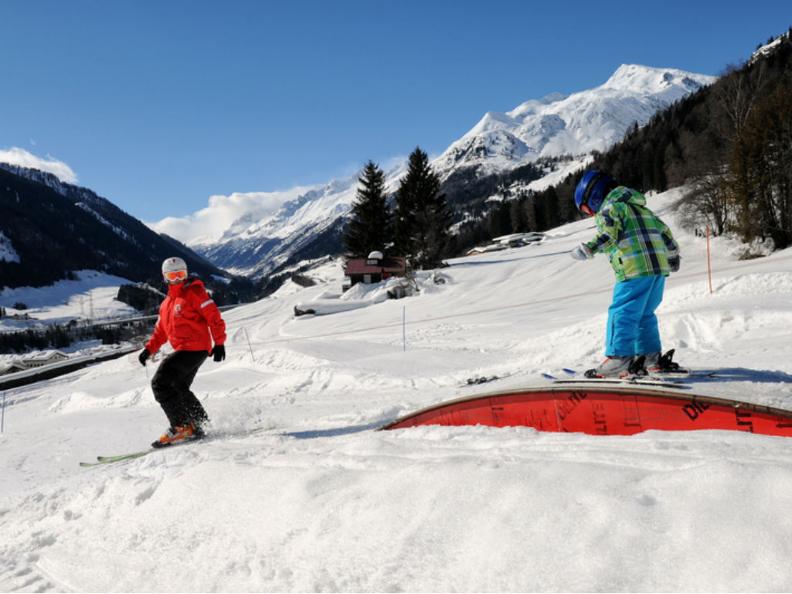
(374, 269)
(43, 358)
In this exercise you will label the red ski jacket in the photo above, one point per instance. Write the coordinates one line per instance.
(186, 318)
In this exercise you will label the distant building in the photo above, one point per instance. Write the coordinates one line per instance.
(374, 269)
(43, 358)
(11, 367)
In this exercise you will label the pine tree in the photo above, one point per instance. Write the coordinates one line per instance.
(517, 215)
(404, 220)
(529, 208)
(369, 229)
(422, 217)
(498, 220)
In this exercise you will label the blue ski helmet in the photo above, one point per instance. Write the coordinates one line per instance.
(591, 191)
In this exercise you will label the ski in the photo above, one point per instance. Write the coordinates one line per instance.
(676, 376)
(100, 460)
(632, 381)
(573, 377)
(104, 460)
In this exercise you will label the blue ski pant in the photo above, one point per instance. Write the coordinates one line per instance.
(632, 324)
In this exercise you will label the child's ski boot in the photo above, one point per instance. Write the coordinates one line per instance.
(618, 367)
(658, 364)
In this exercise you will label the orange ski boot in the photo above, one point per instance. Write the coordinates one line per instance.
(178, 434)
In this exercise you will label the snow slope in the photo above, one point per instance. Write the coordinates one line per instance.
(91, 296)
(301, 494)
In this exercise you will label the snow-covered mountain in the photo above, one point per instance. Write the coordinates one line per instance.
(268, 230)
(269, 238)
(579, 123)
(256, 233)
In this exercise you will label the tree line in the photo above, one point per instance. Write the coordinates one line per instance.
(418, 222)
(416, 226)
(731, 143)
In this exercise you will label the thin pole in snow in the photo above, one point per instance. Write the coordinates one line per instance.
(249, 345)
(404, 328)
(709, 263)
(2, 416)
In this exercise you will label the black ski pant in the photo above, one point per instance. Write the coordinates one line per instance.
(171, 386)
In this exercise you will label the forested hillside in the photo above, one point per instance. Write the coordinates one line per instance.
(52, 229)
(731, 142)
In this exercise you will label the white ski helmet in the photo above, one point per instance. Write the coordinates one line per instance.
(174, 269)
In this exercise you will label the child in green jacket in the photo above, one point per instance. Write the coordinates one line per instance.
(642, 252)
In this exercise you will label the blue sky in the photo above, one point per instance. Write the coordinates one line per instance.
(157, 105)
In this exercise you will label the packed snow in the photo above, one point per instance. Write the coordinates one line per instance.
(298, 492)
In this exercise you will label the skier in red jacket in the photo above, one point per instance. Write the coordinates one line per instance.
(190, 321)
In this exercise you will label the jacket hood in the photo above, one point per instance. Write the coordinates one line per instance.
(625, 194)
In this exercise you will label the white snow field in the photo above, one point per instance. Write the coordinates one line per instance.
(300, 493)
(91, 296)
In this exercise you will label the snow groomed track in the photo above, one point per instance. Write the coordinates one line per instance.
(602, 410)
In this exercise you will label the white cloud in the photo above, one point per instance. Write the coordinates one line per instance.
(243, 213)
(208, 224)
(22, 158)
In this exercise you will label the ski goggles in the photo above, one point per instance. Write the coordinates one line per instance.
(175, 275)
(584, 208)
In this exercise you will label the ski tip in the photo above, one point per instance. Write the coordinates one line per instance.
(549, 376)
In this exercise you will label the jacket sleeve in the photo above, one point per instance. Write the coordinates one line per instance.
(208, 310)
(608, 230)
(158, 338)
(671, 245)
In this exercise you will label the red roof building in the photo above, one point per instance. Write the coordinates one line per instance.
(373, 269)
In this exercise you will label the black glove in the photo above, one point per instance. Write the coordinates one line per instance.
(143, 357)
(218, 352)
(674, 263)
